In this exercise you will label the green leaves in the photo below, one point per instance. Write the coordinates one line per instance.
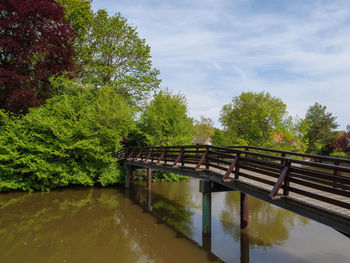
(258, 119)
(253, 117)
(321, 134)
(165, 120)
(70, 140)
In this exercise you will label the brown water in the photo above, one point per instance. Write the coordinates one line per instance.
(115, 225)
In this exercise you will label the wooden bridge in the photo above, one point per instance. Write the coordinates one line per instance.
(313, 186)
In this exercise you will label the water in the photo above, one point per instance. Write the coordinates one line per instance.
(115, 225)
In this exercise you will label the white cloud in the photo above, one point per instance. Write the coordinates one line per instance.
(213, 50)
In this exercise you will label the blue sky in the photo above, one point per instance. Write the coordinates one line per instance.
(212, 50)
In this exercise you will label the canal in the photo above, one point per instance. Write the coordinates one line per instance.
(164, 225)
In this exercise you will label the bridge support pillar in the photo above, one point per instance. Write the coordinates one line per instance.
(149, 178)
(128, 175)
(244, 211)
(205, 188)
(149, 199)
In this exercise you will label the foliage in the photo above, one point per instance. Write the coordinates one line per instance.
(158, 176)
(67, 141)
(116, 56)
(290, 136)
(219, 138)
(258, 119)
(321, 133)
(79, 15)
(35, 44)
(252, 118)
(342, 144)
(203, 128)
(165, 120)
(339, 154)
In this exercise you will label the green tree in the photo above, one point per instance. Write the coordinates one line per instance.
(219, 138)
(110, 52)
(252, 118)
(165, 120)
(79, 14)
(203, 128)
(321, 134)
(69, 140)
(119, 58)
(258, 119)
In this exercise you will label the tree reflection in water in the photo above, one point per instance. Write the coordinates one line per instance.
(269, 224)
(173, 214)
(92, 225)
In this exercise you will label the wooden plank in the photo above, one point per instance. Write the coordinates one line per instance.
(321, 198)
(201, 161)
(327, 176)
(270, 174)
(178, 158)
(161, 157)
(230, 169)
(321, 187)
(129, 156)
(279, 183)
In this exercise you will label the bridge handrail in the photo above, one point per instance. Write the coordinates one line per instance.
(279, 171)
(312, 156)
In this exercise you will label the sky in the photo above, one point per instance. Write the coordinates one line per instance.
(212, 50)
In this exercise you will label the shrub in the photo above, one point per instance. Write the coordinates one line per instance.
(68, 141)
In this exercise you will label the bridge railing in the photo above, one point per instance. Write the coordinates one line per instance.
(325, 179)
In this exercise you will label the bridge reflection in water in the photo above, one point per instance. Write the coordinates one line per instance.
(175, 212)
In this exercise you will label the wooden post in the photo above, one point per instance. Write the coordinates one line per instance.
(149, 178)
(149, 199)
(127, 175)
(237, 166)
(335, 172)
(207, 158)
(182, 157)
(244, 247)
(244, 211)
(206, 208)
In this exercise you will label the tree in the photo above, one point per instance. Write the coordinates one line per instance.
(258, 119)
(203, 128)
(35, 44)
(219, 138)
(79, 15)
(321, 133)
(118, 57)
(342, 144)
(165, 120)
(68, 141)
(252, 118)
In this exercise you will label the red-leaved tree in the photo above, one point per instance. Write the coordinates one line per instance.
(343, 143)
(35, 44)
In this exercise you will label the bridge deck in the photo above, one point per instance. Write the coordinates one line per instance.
(320, 195)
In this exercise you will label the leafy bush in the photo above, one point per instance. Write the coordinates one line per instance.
(68, 141)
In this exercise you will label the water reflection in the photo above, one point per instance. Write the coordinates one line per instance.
(109, 225)
(88, 225)
(163, 209)
(269, 225)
